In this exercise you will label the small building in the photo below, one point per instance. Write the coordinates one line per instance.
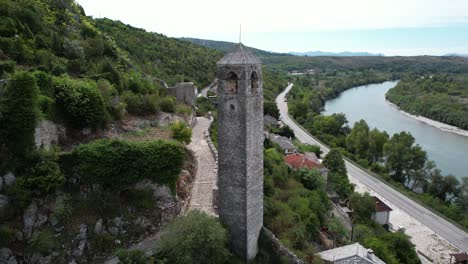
(382, 212)
(285, 144)
(185, 93)
(297, 161)
(312, 156)
(354, 253)
(270, 121)
(459, 258)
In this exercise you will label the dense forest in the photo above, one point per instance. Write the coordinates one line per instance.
(442, 97)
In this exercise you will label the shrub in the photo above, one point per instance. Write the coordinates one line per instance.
(132, 257)
(81, 102)
(141, 199)
(103, 204)
(20, 193)
(44, 174)
(194, 238)
(102, 242)
(168, 104)
(7, 67)
(7, 235)
(62, 208)
(204, 106)
(20, 114)
(138, 104)
(44, 82)
(46, 105)
(181, 132)
(117, 163)
(42, 242)
(183, 109)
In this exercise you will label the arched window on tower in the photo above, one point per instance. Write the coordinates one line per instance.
(231, 86)
(254, 82)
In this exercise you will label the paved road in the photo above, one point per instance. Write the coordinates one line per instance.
(445, 229)
(204, 91)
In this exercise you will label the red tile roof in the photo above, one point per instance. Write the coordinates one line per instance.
(460, 257)
(297, 161)
(381, 206)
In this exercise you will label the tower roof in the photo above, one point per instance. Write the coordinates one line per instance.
(240, 55)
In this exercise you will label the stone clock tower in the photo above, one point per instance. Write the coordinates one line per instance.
(240, 149)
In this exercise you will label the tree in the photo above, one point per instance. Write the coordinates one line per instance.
(363, 207)
(337, 173)
(402, 156)
(358, 140)
(335, 225)
(194, 238)
(334, 162)
(421, 176)
(270, 108)
(450, 188)
(181, 132)
(311, 179)
(401, 246)
(377, 141)
(381, 250)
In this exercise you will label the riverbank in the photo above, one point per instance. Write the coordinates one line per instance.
(431, 122)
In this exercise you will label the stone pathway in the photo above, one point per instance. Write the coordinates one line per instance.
(202, 191)
(205, 180)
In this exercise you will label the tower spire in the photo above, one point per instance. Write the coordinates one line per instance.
(240, 33)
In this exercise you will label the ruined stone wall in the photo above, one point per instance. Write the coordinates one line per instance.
(185, 93)
(271, 246)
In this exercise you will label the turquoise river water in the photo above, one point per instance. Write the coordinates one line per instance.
(447, 149)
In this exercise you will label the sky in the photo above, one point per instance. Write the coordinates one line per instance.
(391, 27)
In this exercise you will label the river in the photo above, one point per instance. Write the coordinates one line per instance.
(447, 149)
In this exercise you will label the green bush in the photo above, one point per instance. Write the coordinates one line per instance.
(62, 208)
(81, 102)
(46, 105)
(141, 199)
(102, 243)
(42, 242)
(7, 67)
(132, 257)
(44, 82)
(20, 193)
(20, 114)
(7, 235)
(181, 132)
(194, 238)
(168, 104)
(137, 104)
(44, 174)
(102, 204)
(117, 164)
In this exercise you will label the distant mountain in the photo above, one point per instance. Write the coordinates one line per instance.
(337, 54)
(225, 46)
(456, 55)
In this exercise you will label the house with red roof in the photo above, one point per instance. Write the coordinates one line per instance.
(382, 212)
(297, 161)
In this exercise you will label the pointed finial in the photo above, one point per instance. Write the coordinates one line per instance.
(240, 33)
